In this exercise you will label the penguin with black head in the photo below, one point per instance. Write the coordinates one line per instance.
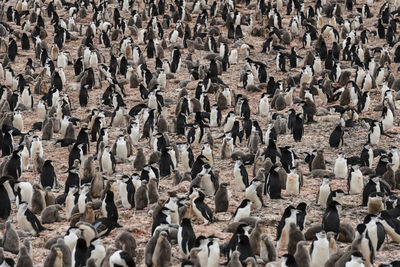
(331, 219)
(27, 220)
(272, 185)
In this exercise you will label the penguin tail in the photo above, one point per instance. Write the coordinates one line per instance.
(42, 229)
(387, 135)
(214, 219)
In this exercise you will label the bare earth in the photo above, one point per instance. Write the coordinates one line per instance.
(315, 136)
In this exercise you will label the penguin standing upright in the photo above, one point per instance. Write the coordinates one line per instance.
(293, 183)
(48, 175)
(241, 176)
(163, 217)
(282, 231)
(165, 163)
(319, 249)
(108, 162)
(298, 127)
(13, 167)
(331, 219)
(7, 146)
(281, 62)
(355, 180)
(336, 137)
(186, 236)
(80, 253)
(243, 210)
(73, 179)
(376, 231)
(263, 106)
(201, 209)
(364, 244)
(273, 185)
(340, 168)
(254, 193)
(108, 207)
(127, 192)
(5, 208)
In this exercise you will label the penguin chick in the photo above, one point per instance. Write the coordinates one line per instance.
(267, 249)
(50, 214)
(255, 237)
(38, 199)
(162, 251)
(295, 236)
(222, 198)
(10, 239)
(153, 191)
(302, 255)
(235, 261)
(141, 197)
(140, 160)
(126, 241)
(24, 260)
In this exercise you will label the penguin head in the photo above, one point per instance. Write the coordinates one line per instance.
(384, 215)
(223, 185)
(73, 190)
(360, 229)
(85, 188)
(302, 206)
(23, 205)
(321, 235)
(135, 176)
(355, 167)
(246, 202)
(357, 257)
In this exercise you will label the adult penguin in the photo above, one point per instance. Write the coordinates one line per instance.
(336, 137)
(165, 163)
(374, 185)
(244, 248)
(13, 166)
(163, 217)
(12, 49)
(109, 209)
(273, 184)
(298, 128)
(48, 175)
(282, 231)
(186, 236)
(331, 220)
(8, 142)
(83, 138)
(201, 209)
(76, 153)
(28, 221)
(73, 179)
(241, 176)
(5, 207)
(376, 231)
(127, 192)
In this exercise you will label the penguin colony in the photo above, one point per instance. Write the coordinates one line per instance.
(199, 133)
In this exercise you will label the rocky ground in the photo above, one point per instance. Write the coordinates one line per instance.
(315, 137)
